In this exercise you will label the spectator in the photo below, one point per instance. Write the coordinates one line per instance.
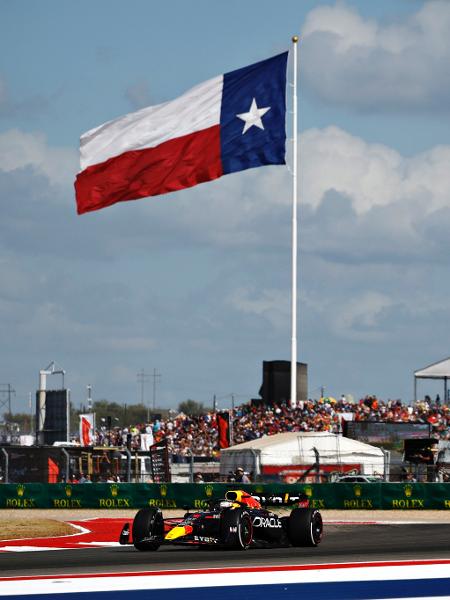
(240, 476)
(198, 434)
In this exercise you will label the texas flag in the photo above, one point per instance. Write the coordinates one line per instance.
(230, 123)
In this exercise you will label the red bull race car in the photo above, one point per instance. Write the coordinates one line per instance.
(238, 521)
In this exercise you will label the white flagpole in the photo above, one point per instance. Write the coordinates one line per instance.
(294, 231)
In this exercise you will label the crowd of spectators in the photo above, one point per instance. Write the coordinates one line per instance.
(198, 435)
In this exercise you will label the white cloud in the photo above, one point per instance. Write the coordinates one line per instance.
(343, 22)
(358, 62)
(19, 150)
(372, 175)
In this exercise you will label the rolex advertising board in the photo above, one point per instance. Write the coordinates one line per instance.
(354, 496)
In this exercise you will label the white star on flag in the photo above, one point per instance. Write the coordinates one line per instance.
(253, 116)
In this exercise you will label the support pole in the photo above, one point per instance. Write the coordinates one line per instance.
(230, 424)
(67, 457)
(40, 421)
(191, 466)
(6, 477)
(294, 231)
(128, 453)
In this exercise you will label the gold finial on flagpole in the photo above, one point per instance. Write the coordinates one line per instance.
(295, 39)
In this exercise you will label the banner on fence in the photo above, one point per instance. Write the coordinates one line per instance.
(360, 496)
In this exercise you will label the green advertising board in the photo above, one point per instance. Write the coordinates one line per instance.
(363, 496)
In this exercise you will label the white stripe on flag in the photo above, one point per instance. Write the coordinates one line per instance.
(195, 110)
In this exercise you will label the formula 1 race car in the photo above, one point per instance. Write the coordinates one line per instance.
(239, 521)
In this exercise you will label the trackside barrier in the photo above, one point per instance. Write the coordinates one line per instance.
(369, 496)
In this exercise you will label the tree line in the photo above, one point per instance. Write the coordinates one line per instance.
(118, 415)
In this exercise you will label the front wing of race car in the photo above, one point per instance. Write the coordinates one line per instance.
(189, 530)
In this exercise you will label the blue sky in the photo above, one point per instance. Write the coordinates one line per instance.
(196, 284)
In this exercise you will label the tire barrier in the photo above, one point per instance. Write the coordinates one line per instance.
(359, 496)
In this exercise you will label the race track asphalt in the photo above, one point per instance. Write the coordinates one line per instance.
(341, 543)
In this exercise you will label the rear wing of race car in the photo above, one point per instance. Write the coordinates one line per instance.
(299, 499)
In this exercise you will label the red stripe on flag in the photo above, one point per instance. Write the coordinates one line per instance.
(53, 471)
(85, 429)
(176, 164)
(223, 424)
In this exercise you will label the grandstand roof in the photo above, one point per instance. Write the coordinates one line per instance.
(438, 370)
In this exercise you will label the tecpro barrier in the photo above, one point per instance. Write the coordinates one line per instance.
(365, 496)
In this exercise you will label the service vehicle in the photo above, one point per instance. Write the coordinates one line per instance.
(359, 479)
(238, 521)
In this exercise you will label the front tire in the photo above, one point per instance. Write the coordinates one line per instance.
(147, 523)
(236, 529)
(305, 527)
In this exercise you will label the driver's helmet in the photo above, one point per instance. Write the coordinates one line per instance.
(242, 497)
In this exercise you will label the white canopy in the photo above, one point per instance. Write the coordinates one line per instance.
(438, 370)
(297, 448)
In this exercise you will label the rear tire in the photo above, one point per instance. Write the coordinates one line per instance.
(305, 527)
(148, 522)
(236, 529)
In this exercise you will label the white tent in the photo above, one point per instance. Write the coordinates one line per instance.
(299, 448)
(439, 370)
